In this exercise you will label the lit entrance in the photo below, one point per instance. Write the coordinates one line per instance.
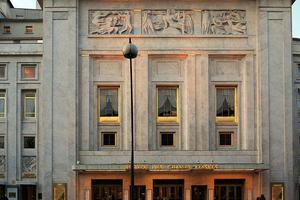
(199, 192)
(107, 190)
(229, 189)
(168, 189)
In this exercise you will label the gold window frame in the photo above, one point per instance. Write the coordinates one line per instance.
(281, 185)
(3, 97)
(27, 97)
(168, 119)
(169, 133)
(233, 119)
(60, 191)
(109, 119)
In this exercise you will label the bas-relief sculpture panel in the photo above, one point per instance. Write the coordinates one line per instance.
(29, 167)
(110, 22)
(2, 166)
(169, 22)
(225, 22)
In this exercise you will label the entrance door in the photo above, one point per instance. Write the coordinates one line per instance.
(28, 192)
(229, 189)
(168, 189)
(107, 189)
(199, 192)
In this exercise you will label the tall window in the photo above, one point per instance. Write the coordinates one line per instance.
(226, 104)
(167, 104)
(29, 104)
(108, 101)
(2, 71)
(2, 104)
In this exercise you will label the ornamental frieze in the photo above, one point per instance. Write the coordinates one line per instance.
(226, 22)
(168, 21)
(110, 22)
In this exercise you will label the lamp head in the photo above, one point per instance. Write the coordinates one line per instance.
(130, 51)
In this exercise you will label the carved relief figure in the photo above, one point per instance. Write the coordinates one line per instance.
(29, 166)
(110, 22)
(2, 164)
(147, 23)
(229, 22)
(167, 22)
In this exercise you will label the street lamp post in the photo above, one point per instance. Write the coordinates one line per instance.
(130, 52)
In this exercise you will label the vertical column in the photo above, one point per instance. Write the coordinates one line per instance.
(187, 194)
(189, 119)
(126, 194)
(210, 194)
(247, 112)
(149, 194)
(202, 102)
(85, 109)
(12, 123)
(141, 101)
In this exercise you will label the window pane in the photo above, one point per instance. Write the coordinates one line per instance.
(167, 139)
(28, 29)
(2, 107)
(1, 142)
(2, 71)
(108, 102)
(30, 107)
(28, 72)
(225, 138)
(29, 142)
(167, 102)
(225, 102)
(109, 139)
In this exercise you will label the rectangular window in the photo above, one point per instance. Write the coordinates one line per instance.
(28, 29)
(108, 139)
(226, 104)
(2, 142)
(277, 191)
(2, 104)
(226, 138)
(298, 68)
(28, 72)
(2, 71)
(108, 101)
(167, 138)
(167, 104)
(6, 29)
(29, 142)
(29, 104)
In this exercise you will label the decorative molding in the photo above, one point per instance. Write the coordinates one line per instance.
(224, 22)
(168, 21)
(29, 167)
(104, 22)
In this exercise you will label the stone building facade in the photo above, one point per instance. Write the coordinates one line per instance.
(213, 100)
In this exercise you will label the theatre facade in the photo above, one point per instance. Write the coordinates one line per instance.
(213, 94)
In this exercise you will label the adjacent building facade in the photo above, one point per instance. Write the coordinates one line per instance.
(213, 100)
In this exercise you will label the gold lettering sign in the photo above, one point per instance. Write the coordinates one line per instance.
(173, 167)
